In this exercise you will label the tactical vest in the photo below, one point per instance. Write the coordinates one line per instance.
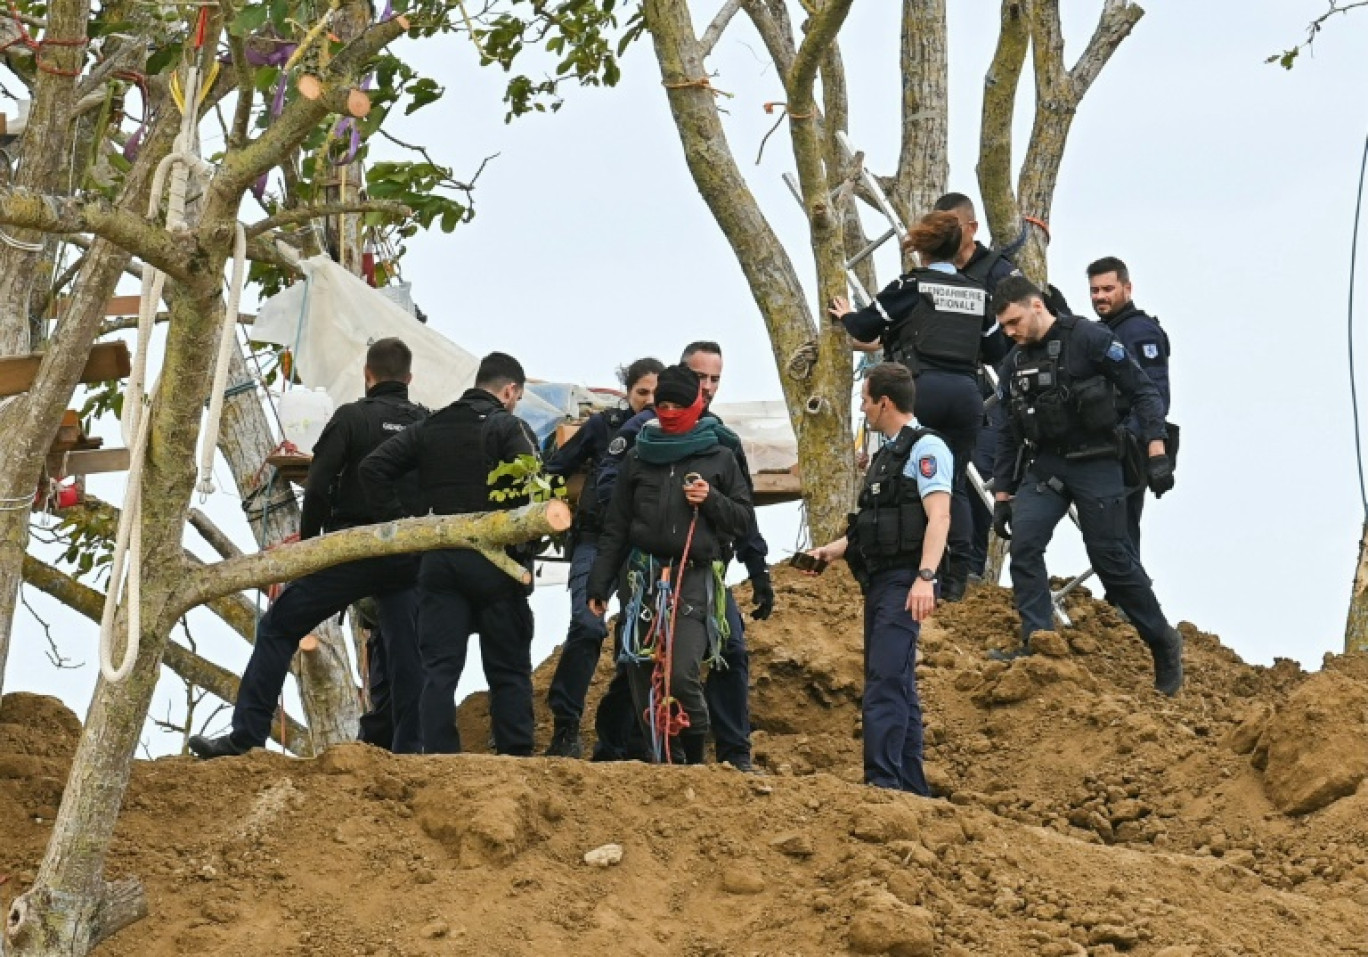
(945, 327)
(888, 530)
(981, 269)
(588, 519)
(454, 477)
(1051, 405)
(385, 416)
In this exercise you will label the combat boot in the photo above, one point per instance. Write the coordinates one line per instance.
(692, 746)
(565, 741)
(1168, 662)
(223, 746)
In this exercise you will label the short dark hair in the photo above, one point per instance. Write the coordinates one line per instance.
(389, 360)
(954, 202)
(702, 345)
(497, 370)
(1109, 264)
(1016, 290)
(893, 380)
(630, 375)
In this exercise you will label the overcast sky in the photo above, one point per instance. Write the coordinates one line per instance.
(1227, 185)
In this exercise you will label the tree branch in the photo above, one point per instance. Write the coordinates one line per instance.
(1118, 18)
(1000, 86)
(63, 215)
(303, 214)
(821, 33)
(923, 164)
(486, 532)
(718, 26)
(212, 534)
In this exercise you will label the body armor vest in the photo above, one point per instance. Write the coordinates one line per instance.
(455, 481)
(1054, 408)
(888, 530)
(945, 327)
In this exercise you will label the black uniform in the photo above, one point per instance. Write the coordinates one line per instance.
(461, 591)
(938, 324)
(333, 499)
(1063, 446)
(650, 520)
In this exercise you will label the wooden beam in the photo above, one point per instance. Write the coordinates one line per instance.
(87, 462)
(108, 360)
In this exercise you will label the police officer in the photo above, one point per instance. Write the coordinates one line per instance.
(580, 653)
(334, 499)
(460, 590)
(1109, 287)
(935, 321)
(894, 546)
(1059, 386)
(679, 504)
(727, 688)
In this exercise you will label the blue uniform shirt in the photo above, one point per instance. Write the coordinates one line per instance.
(930, 463)
(1148, 345)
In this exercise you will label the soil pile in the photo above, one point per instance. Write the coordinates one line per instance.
(1083, 814)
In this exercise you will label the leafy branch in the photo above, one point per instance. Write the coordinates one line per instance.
(1288, 58)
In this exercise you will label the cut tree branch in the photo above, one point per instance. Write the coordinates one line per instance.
(486, 532)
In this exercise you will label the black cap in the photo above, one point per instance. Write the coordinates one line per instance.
(677, 384)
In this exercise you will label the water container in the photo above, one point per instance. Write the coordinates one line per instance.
(303, 413)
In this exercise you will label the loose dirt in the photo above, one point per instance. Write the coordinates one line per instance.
(1082, 813)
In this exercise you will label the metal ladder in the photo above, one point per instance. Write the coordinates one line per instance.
(861, 298)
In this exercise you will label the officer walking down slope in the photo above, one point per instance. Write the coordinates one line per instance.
(1109, 286)
(893, 546)
(1060, 385)
(334, 499)
(580, 654)
(461, 591)
(936, 322)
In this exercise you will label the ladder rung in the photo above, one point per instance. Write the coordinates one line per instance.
(868, 251)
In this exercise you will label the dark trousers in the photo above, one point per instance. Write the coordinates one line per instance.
(462, 592)
(615, 726)
(892, 709)
(313, 599)
(980, 515)
(952, 405)
(688, 649)
(377, 724)
(1135, 507)
(728, 692)
(1097, 488)
(580, 654)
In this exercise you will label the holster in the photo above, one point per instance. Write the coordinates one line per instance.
(1171, 445)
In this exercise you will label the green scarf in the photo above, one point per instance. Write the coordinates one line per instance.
(657, 447)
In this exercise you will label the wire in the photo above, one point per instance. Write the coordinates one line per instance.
(1353, 383)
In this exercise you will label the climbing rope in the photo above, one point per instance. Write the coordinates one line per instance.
(665, 716)
(227, 342)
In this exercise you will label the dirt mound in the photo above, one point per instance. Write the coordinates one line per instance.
(1086, 814)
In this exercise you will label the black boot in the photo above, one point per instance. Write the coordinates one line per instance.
(565, 741)
(221, 747)
(1168, 662)
(692, 745)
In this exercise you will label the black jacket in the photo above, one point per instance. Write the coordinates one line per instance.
(334, 497)
(453, 451)
(584, 452)
(649, 512)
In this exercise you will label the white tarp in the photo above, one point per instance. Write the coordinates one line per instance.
(330, 320)
(765, 432)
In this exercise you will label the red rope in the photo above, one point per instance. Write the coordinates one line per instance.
(669, 719)
(37, 45)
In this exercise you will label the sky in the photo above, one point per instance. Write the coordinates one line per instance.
(1190, 158)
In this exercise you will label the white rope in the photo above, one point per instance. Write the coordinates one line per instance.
(227, 341)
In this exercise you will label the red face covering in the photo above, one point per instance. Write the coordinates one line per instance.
(679, 421)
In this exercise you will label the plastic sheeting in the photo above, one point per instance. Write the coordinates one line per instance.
(765, 433)
(330, 320)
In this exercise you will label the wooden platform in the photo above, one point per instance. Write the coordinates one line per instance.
(292, 466)
(108, 360)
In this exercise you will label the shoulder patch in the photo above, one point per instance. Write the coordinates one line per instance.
(617, 446)
(1150, 350)
(1116, 352)
(926, 465)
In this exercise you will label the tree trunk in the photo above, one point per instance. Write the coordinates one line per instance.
(1356, 627)
(329, 697)
(817, 395)
(923, 161)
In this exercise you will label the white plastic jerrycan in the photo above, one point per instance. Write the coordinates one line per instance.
(303, 413)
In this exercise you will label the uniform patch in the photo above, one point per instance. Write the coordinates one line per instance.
(926, 465)
(1116, 352)
(970, 301)
(617, 446)
(1151, 350)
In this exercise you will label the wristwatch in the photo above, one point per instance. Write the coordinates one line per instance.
(927, 575)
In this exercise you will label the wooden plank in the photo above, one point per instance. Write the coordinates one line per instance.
(773, 488)
(123, 306)
(293, 468)
(108, 360)
(565, 431)
(87, 462)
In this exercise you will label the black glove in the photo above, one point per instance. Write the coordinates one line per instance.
(762, 590)
(1002, 519)
(1160, 472)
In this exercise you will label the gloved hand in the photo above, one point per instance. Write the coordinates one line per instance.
(1002, 519)
(1160, 472)
(762, 590)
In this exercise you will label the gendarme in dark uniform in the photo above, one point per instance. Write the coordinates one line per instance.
(333, 500)
(461, 591)
(1059, 386)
